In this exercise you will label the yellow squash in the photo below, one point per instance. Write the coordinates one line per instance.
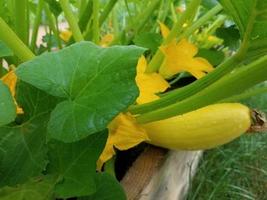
(204, 128)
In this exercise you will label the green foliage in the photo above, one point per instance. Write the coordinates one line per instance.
(74, 165)
(230, 36)
(7, 105)
(70, 95)
(23, 151)
(107, 189)
(38, 188)
(250, 17)
(76, 74)
(4, 50)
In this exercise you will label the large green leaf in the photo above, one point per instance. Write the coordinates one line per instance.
(7, 105)
(35, 189)
(97, 83)
(251, 19)
(23, 151)
(108, 188)
(75, 165)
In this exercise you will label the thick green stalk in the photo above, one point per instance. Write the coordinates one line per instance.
(52, 23)
(37, 21)
(14, 43)
(234, 83)
(96, 30)
(108, 8)
(193, 88)
(86, 15)
(247, 94)
(177, 28)
(21, 20)
(65, 5)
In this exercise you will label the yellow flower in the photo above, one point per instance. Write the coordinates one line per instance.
(106, 40)
(124, 132)
(65, 35)
(10, 79)
(179, 57)
(149, 84)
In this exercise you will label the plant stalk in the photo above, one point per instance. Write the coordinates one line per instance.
(65, 5)
(14, 42)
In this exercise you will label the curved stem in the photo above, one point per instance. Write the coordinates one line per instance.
(14, 42)
(65, 5)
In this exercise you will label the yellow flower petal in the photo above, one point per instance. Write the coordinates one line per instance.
(10, 79)
(180, 57)
(106, 40)
(124, 133)
(149, 84)
(164, 30)
(65, 35)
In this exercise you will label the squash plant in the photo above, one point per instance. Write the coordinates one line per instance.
(117, 77)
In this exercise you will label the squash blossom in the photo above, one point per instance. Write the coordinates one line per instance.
(10, 79)
(124, 132)
(180, 57)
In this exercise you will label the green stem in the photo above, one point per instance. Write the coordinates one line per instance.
(21, 20)
(96, 30)
(86, 15)
(37, 21)
(201, 21)
(177, 28)
(193, 88)
(52, 24)
(65, 5)
(232, 84)
(108, 8)
(14, 42)
(138, 23)
(247, 94)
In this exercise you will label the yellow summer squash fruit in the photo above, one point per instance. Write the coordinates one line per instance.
(204, 128)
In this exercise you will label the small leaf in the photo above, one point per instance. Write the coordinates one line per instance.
(75, 165)
(97, 83)
(7, 105)
(107, 189)
(22, 151)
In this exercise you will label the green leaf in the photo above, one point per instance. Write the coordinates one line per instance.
(230, 36)
(34, 101)
(7, 105)
(213, 56)
(4, 50)
(148, 40)
(97, 83)
(35, 189)
(75, 165)
(108, 188)
(22, 151)
(251, 19)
